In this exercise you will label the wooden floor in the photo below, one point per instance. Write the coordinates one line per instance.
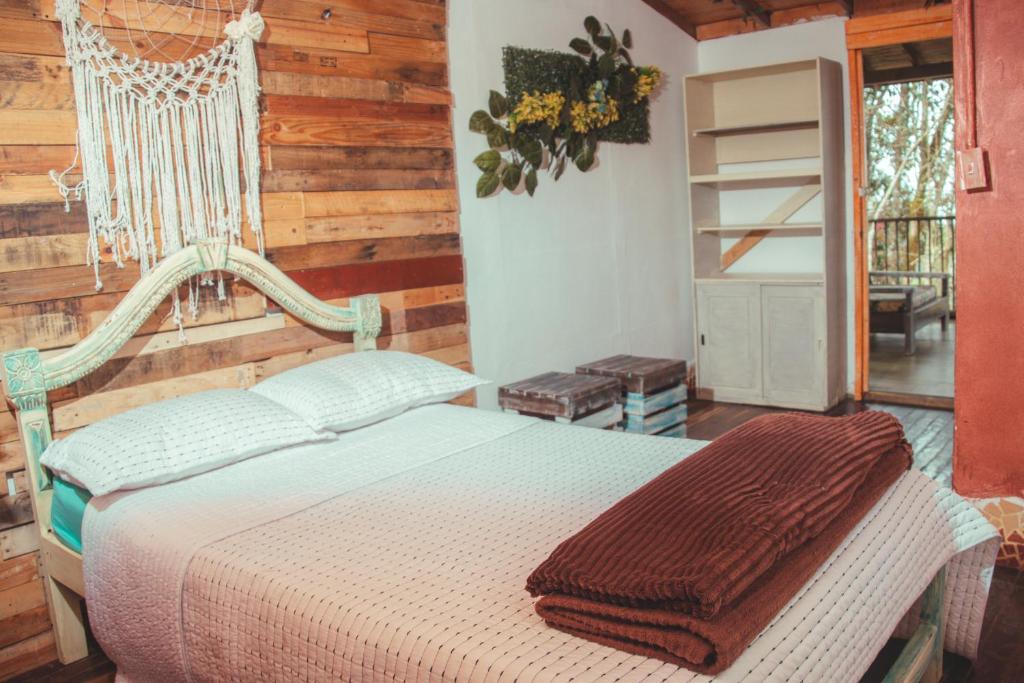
(929, 372)
(1001, 656)
(930, 432)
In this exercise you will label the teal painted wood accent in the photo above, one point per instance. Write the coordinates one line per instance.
(656, 422)
(921, 658)
(638, 404)
(677, 432)
(23, 375)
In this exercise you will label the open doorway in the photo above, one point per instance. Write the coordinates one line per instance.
(910, 227)
(904, 213)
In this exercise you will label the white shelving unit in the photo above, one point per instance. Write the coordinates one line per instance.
(765, 163)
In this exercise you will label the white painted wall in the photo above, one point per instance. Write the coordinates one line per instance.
(597, 263)
(825, 38)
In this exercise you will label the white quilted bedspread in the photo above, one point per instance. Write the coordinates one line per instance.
(400, 553)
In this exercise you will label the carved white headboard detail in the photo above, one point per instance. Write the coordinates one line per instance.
(27, 376)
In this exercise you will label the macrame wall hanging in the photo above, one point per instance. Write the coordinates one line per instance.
(182, 136)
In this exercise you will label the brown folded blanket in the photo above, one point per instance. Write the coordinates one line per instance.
(693, 565)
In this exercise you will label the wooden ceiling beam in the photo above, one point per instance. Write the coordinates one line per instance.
(672, 14)
(910, 50)
(751, 8)
(925, 72)
(780, 17)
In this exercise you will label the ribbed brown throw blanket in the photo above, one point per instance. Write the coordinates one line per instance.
(690, 567)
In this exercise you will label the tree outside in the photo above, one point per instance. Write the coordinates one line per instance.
(911, 206)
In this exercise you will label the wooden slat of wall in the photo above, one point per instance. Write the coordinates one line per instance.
(21, 598)
(18, 541)
(358, 196)
(39, 160)
(8, 427)
(12, 458)
(18, 571)
(420, 21)
(297, 129)
(26, 220)
(355, 251)
(160, 18)
(356, 110)
(332, 63)
(47, 284)
(331, 228)
(353, 179)
(35, 159)
(284, 158)
(30, 622)
(362, 203)
(27, 654)
(401, 47)
(312, 85)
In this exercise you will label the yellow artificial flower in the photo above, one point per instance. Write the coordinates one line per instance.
(580, 117)
(537, 107)
(554, 102)
(598, 112)
(647, 81)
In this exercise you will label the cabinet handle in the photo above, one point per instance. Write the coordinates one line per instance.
(702, 340)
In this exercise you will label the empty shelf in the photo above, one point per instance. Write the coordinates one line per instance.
(758, 177)
(758, 127)
(759, 226)
(777, 278)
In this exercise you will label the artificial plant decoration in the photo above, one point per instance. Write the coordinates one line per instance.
(565, 104)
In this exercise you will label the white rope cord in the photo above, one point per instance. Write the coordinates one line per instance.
(176, 131)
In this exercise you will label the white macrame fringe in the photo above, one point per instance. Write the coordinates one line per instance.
(176, 132)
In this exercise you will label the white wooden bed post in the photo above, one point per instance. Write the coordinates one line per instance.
(25, 386)
(27, 376)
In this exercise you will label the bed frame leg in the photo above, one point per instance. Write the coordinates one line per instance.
(68, 621)
(931, 613)
(933, 674)
(921, 659)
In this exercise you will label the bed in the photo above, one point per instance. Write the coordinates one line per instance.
(400, 550)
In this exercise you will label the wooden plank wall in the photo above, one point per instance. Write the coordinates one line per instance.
(358, 195)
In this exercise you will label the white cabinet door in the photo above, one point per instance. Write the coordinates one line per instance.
(794, 329)
(729, 341)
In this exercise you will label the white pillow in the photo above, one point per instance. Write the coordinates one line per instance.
(174, 439)
(357, 389)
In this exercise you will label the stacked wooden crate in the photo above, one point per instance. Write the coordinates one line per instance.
(564, 397)
(652, 392)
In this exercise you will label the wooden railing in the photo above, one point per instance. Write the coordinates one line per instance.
(920, 244)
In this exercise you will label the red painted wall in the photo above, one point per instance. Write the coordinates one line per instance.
(989, 444)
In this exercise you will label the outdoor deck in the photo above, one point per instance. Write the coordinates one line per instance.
(929, 372)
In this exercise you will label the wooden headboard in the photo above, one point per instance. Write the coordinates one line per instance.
(27, 377)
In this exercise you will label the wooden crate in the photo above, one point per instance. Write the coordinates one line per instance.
(653, 392)
(586, 401)
(656, 423)
(638, 374)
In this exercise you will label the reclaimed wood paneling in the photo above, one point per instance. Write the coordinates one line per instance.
(358, 194)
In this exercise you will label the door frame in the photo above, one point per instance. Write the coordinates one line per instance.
(892, 28)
